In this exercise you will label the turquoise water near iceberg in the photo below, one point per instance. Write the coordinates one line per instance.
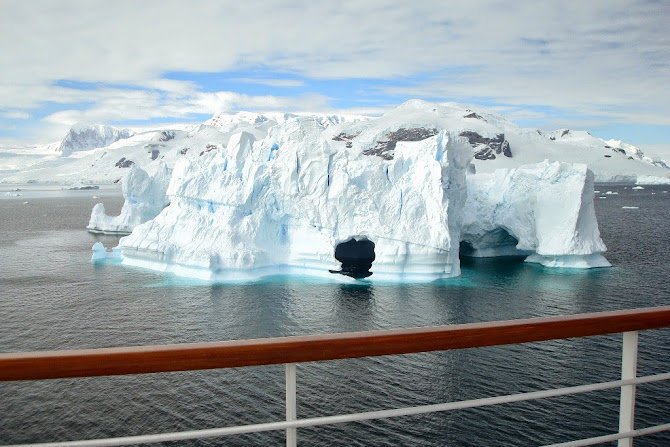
(53, 297)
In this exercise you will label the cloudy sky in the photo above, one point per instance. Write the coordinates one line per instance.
(602, 66)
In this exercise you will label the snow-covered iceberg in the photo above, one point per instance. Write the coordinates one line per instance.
(390, 198)
(544, 211)
(293, 202)
(145, 197)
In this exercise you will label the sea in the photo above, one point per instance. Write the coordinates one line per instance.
(53, 297)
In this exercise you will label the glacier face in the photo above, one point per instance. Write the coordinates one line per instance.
(393, 198)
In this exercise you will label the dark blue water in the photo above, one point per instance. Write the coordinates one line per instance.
(53, 297)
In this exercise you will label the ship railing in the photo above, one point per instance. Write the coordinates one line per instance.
(311, 348)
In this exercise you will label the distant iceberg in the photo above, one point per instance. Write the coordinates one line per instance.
(394, 198)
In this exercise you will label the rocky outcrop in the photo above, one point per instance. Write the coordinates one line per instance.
(384, 148)
(487, 148)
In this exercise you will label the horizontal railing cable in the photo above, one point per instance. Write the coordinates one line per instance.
(614, 437)
(364, 416)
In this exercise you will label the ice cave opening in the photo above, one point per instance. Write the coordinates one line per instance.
(356, 256)
(495, 243)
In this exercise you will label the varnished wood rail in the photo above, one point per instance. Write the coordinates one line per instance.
(309, 348)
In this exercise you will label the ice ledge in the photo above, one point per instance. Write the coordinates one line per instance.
(570, 261)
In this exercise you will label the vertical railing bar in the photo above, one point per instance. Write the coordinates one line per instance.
(291, 409)
(628, 371)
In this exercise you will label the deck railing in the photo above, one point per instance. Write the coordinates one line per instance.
(292, 350)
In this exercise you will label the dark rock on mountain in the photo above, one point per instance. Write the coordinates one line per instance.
(384, 148)
(475, 116)
(487, 148)
(124, 163)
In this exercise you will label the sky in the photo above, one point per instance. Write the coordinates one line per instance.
(597, 65)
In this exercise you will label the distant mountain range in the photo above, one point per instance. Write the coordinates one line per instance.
(100, 153)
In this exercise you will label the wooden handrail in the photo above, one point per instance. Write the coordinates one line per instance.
(268, 351)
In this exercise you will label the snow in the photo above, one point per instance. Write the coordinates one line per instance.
(401, 186)
(144, 198)
(637, 187)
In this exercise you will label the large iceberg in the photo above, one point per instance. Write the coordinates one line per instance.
(393, 198)
(145, 197)
(294, 202)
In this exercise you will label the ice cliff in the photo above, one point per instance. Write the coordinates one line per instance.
(145, 197)
(543, 210)
(390, 198)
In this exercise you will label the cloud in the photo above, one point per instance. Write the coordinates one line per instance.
(272, 82)
(16, 115)
(601, 60)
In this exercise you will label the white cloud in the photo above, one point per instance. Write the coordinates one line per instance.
(272, 82)
(601, 59)
(16, 115)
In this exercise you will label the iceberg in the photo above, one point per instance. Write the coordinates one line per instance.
(293, 202)
(544, 211)
(145, 197)
(393, 198)
(100, 253)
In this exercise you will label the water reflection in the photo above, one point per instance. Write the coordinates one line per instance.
(355, 306)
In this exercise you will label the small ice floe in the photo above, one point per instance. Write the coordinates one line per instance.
(94, 197)
(596, 192)
(26, 203)
(665, 192)
(602, 197)
(630, 207)
(12, 194)
(637, 187)
(100, 252)
(612, 193)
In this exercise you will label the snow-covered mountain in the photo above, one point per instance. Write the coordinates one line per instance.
(83, 137)
(101, 154)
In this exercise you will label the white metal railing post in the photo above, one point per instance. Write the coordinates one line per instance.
(628, 371)
(291, 410)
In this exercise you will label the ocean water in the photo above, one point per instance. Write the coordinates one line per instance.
(53, 297)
